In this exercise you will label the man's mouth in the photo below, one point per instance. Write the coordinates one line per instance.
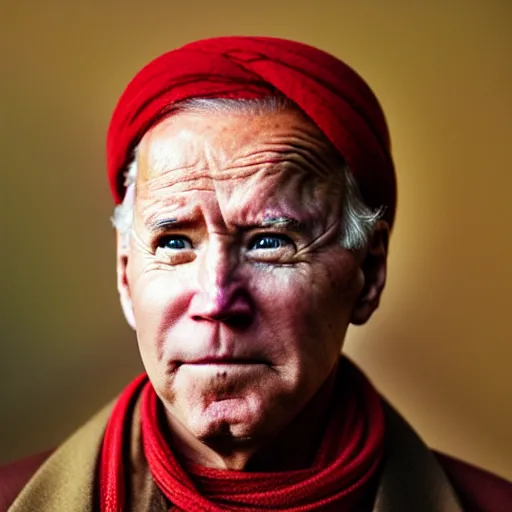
(217, 360)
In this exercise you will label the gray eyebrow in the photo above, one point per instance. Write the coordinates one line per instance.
(270, 221)
(283, 222)
(162, 224)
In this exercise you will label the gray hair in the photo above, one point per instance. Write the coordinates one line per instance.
(358, 219)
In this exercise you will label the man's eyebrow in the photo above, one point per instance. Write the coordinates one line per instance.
(161, 224)
(282, 222)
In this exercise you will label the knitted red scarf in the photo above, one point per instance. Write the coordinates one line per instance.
(340, 478)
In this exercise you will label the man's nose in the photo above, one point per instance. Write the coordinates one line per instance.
(221, 294)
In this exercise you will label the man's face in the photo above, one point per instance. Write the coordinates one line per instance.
(240, 290)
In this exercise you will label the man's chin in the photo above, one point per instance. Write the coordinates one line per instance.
(232, 401)
(228, 418)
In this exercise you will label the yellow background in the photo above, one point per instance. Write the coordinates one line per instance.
(440, 347)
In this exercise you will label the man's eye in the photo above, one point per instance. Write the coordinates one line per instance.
(176, 243)
(269, 242)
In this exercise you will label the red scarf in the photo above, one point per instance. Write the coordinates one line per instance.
(340, 477)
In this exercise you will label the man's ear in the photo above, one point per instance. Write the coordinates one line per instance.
(374, 267)
(123, 285)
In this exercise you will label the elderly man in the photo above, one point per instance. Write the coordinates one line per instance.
(256, 193)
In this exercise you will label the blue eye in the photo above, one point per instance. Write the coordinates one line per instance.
(175, 243)
(269, 242)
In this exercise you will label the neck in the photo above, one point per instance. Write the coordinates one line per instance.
(277, 454)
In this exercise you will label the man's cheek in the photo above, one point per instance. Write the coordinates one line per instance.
(154, 310)
(162, 297)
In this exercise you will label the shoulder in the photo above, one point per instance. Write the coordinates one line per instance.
(15, 475)
(61, 479)
(478, 490)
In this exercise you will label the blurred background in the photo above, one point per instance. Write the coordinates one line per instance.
(440, 347)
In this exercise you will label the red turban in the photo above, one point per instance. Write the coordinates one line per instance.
(333, 95)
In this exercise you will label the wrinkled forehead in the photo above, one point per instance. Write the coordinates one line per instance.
(244, 167)
(225, 147)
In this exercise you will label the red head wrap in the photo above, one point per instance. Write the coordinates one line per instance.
(334, 96)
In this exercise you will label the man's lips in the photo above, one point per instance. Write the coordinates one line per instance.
(233, 361)
(215, 360)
